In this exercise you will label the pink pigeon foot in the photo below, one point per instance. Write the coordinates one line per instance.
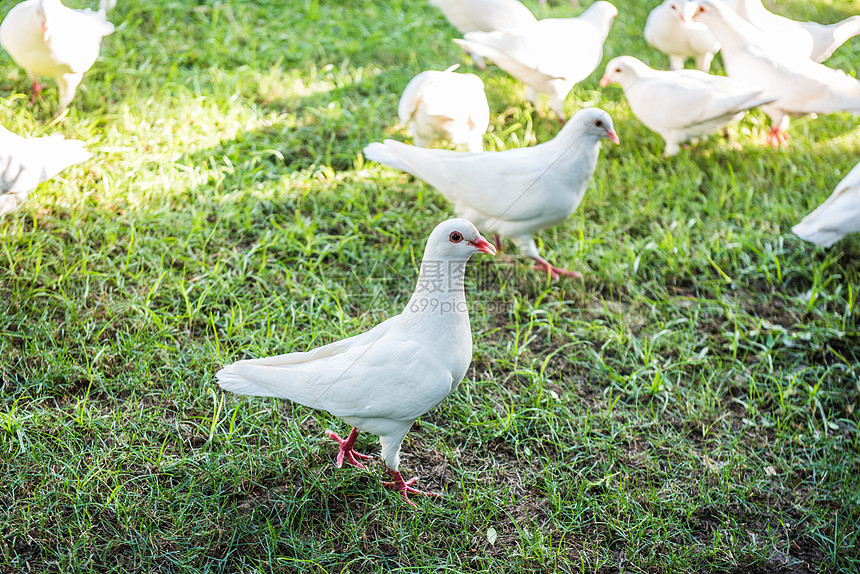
(545, 267)
(497, 242)
(346, 450)
(777, 137)
(404, 487)
(37, 87)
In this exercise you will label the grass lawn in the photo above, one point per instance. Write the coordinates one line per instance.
(690, 406)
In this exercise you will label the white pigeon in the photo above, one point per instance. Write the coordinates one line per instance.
(797, 84)
(669, 28)
(681, 104)
(551, 55)
(484, 16)
(836, 217)
(27, 162)
(48, 39)
(382, 380)
(514, 192)
(807, 39)
(445, 105)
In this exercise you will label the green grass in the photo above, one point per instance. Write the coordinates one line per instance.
(690, 406)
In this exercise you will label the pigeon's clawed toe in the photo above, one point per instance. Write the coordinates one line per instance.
(777, 137)
(554, 272)
(404, 487)
(347, 452)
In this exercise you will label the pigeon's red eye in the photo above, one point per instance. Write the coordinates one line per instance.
(618, 70)
(455, 237)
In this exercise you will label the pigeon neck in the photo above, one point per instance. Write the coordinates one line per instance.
(730, 26)
(439, 295)
(750, 9)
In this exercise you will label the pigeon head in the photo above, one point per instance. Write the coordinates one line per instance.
(685, 10)
(708, 11)
(600, 14)
(456, 239)
(623, 70)
(594, 122)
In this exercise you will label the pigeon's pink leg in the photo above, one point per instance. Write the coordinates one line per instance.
(346, 450)
(544, 266)
(498, 242)
(777, 137)
(404, 487)
(37, 87)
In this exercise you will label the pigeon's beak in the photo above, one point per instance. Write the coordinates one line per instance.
(613, 137)
(604, 81)
(483, 245)
(689, 12)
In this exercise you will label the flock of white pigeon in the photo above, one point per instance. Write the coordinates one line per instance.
(772, 63)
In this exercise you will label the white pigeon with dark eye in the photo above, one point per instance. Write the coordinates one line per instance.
(669, 28)
(445, 105)
(836, 217)
(796, 84)
(551, 55)
(514, 192)
(382, 380)
(680, 105)
(803, 39)
(50, 40)
(27, 162)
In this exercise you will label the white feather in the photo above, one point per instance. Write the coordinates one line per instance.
(551, 55)
(797, 84)
(803, 39)
(382, 380)
(445, 105)
(514, 192)
(838, 216)
(682, 104)
(27, 162)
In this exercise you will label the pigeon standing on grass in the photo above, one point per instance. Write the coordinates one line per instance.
(484, 16)
(514, 192)
(27, 162)
(382, 380)
(445, 105)
(807, 39)
(797, 84)
(836, 217)
(670, 29)
(48, 39)
(551, 55)
(682, 104)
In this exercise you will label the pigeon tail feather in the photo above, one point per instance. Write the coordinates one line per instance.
(60, 153)
(381, 153)
(809, 232)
